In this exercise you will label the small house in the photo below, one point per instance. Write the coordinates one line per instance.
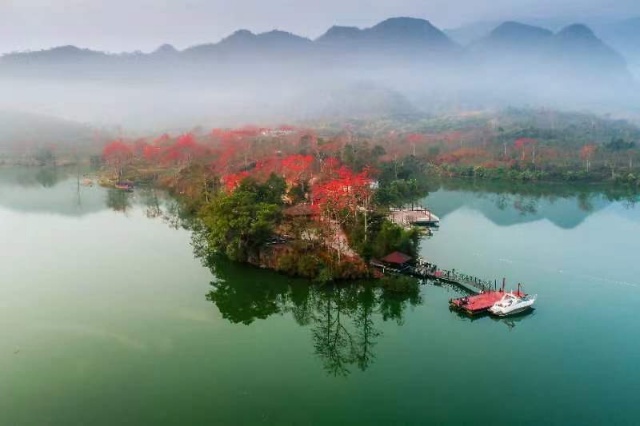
(397, 260)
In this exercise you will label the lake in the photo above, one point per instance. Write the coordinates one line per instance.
(107, 317)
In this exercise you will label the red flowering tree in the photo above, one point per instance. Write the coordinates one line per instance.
(297, 168)
(525, 145)
(586, 154)
(232, 181)
(184, 150)
(151, 153)
(347, 195)
(415, 139)
(117, 155)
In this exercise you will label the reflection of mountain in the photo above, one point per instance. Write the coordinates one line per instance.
(47, 190)
(342, 320)
(508, 209)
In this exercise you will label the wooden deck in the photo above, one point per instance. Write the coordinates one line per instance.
(416, 216)
(484, 293)
(480, 303)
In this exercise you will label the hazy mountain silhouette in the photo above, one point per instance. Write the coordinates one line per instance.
(23, 129)
(255, 75)
(166, 50)
(62, 54)
(624, 36)
(523, 58)
(413, 38)
(247, 44)
(578, 43)
(395, 32)
(514, 36)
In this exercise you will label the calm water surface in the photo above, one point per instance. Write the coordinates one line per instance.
(107, 318)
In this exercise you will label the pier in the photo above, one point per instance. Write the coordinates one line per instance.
(416, 216)
(399, 263)
(483, 293)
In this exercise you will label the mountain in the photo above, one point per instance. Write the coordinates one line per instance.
(571, 60)
(246, 43)
(474, 31)
(166, 50)
(394, 35)
(19, 127)
(578, 45)
(340, 35)
(410, 31)
(410, 39)
(357, 101)
(470, 33)
(279, 74)
(624, 36)
(52, 61)
(514, 38)
(62, 54)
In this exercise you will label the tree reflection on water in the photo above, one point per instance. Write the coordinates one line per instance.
(342, 318)
(118, 200)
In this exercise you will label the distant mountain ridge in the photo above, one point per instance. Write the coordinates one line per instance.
(407, 35)
(280, 71)
(393, 32)
(622, 35)
(569, 61)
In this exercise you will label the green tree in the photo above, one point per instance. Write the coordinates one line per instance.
(239, 223)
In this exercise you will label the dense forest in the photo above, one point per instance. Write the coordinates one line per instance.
(314, 201)
(512, 144)
(281, 198)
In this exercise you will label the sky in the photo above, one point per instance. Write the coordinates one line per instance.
(128, 25)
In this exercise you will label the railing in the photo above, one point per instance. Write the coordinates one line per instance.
(423, 269)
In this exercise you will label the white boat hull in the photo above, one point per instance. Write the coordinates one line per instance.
(512, 305)
(513, 312)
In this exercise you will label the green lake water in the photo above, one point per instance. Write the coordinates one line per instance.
(107, 318)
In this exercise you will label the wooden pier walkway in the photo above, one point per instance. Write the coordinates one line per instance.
(484, 293)
(425, 270)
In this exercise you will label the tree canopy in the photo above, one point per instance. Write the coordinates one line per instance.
(240, 222)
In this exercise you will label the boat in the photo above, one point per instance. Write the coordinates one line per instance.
(511, 304)
(124, 186)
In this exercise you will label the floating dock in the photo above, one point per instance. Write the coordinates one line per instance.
(484, 293)
(480, 303)
(418, 216)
